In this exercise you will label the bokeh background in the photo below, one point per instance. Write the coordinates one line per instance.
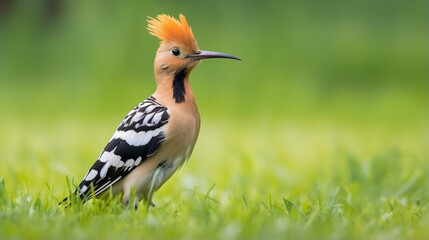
(325, 89)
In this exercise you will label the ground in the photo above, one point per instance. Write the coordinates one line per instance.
(281, 181)
(320, 132)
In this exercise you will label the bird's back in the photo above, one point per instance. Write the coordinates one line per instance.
(137, 138)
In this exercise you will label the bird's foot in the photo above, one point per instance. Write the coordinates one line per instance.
(150, 204)
(136, 204)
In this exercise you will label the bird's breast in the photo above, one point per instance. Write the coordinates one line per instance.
(181, 136)
(182, 130)
(183, 125)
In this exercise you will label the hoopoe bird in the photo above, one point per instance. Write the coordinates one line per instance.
(159, 134)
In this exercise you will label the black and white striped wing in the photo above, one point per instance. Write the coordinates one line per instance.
(138, 137)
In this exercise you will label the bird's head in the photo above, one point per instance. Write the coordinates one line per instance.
(178, 49)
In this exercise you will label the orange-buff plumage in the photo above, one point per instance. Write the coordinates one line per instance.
(168, 29)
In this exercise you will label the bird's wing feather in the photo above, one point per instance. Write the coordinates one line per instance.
(138, 137)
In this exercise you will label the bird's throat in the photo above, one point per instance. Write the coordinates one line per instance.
(179, 91)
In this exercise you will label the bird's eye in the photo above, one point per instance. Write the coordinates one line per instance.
(175, 52)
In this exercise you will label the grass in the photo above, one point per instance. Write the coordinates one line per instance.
(263, 184)
(321, 132)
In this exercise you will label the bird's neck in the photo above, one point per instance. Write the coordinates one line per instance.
(174, 88)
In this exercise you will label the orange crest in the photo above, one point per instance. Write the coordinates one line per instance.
(169, 29)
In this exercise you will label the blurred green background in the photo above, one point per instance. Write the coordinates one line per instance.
(316, 77)
(322, 130)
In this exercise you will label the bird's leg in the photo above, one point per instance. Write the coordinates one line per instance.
(149, 203)
(136, 203)
(157, 174)
(131, 197)
(136, 207)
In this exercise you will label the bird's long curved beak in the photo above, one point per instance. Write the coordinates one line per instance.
(209, 54)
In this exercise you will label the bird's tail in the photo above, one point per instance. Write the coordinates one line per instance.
(66, 201)
(73, 197)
